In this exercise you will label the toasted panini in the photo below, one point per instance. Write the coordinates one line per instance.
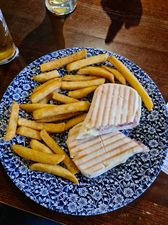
(96, 155)
(114, 106)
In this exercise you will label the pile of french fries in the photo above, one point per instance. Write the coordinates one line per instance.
(82, 79)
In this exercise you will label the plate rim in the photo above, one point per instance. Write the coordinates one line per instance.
(79, 48)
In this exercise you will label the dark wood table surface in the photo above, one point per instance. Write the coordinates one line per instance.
(135, 29)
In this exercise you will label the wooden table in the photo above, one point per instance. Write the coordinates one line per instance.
(134, 29)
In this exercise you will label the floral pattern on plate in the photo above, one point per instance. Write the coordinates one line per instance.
(108, 192)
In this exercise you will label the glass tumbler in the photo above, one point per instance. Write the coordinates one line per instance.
(8, 50)
(61, 7)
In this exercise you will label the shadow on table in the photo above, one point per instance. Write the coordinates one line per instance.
(47, 37)
(22, 17)
(121, 12)
(12, 216)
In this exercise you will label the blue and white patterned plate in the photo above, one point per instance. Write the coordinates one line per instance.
(108, 192)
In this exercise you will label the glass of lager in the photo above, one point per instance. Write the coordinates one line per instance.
(8, 50)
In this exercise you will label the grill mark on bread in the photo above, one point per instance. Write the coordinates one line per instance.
(128, 102)
(113, 138)
(132, 109)
(110, 103)
(89, 114)
(113, 104)
(102, 111)
(122, 105)
(118, 108)
(138, 113)
(84, 154)
(97, 99)
(98, 154)
(106, 151)
(118, 158)
(97, 106)
(85, 147)
(106, 107)
(125, 107)
(109, 158)
(114, 142)
(118, 114)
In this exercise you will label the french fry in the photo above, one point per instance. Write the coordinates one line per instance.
(83, 92)
(61, 109)
(58, 117)
(63, 61)
(72, 122)
(50, 127)
(81, 84)
(63, 98)
(37, 145)
(31, 107)
(78, 78)
(51, 143)
(28, 132)
(132, 80)
(55, 170)
(12, 125)
(116, 74)
(43, 92)
(45, 84)
(37, 156)
(97, 71)
(46, 99)
(43, 77)
(88, 61)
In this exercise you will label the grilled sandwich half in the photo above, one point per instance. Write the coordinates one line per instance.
(114, 106)
(96, 155)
